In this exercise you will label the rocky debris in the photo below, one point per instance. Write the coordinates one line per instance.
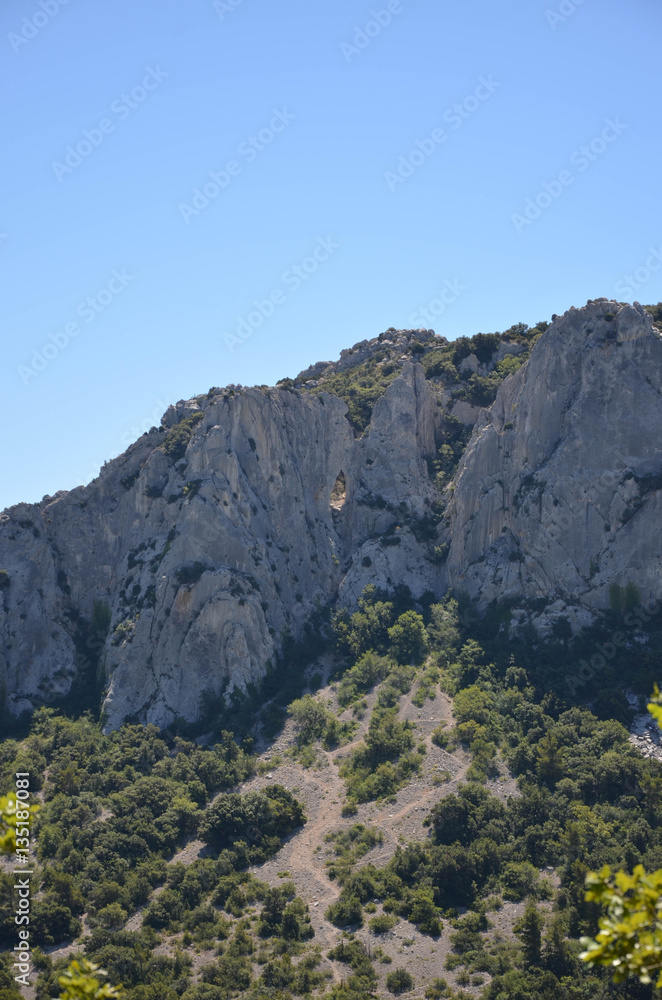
(645, 737)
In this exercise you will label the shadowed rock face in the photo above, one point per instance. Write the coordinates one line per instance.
(558, 492)
(274, 507)
(205, 561)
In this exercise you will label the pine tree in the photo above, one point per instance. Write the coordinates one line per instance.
(529, 930)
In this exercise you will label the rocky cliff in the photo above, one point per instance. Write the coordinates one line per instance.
(177, 572)
(210, 538)
(559, 492)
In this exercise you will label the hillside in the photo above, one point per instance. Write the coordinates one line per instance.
(419, 822)
(347, 677)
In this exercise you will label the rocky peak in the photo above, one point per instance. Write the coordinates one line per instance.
(558, 493)
(174, 576)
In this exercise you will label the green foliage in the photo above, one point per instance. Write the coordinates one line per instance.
(346, 911)
(314, 722)
(399, 981)
(311, 717)
(529, 930)
(9, 822)
(152, 788)
(629, 941)
(178, 437)
(367, 628)
(81, 982)
(361, 984)
(360, 388)
(258, 821)
(369, 669)
(349, 846)
(408, 638)
(383, 923)
(656, 312)
(384, 761)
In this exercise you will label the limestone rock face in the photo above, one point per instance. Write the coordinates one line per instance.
(558, 494)
(205, 560)
(209, 539)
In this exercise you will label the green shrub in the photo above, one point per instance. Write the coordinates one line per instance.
(257, 820)
(383, 923)
(178, 437)
(408, 638)
(399, 981)
(346, 911)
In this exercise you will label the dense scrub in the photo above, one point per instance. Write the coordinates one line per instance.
(585, 798)
(117, 808)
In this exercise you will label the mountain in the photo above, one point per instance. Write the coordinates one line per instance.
(520, 467)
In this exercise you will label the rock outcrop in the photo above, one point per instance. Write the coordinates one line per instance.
(204, 561)
(559, 492)
(213, 536)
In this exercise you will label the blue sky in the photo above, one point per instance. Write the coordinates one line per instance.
(386, 151)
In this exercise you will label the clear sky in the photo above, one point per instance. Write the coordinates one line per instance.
(367, 158)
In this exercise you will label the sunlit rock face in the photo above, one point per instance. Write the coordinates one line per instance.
(206, 560)
(558, 492)
(175, 575)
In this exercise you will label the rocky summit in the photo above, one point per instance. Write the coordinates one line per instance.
(521, 467)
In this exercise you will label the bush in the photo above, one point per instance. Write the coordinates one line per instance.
(259, 820)
(311, 716)
(346, 912)
(399, 981)
(177, 439)
(4, 579)
(383, 923)
(368, 670)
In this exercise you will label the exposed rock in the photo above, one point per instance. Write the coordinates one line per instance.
(213, 536)
(645, 737)
(470, 364)
(205, 561)
(558, 492)
(465, 412)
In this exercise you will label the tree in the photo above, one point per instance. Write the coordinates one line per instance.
(8, 823)
(80, 981)
(424, 913)
(311, 716)
(529, 929)
(556, 957)
(443, 629)
(408, 638)
(550, 759)
(629, 940)
(630, 937)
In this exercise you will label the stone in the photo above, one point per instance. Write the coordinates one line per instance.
(555, 494)
(277, 508)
